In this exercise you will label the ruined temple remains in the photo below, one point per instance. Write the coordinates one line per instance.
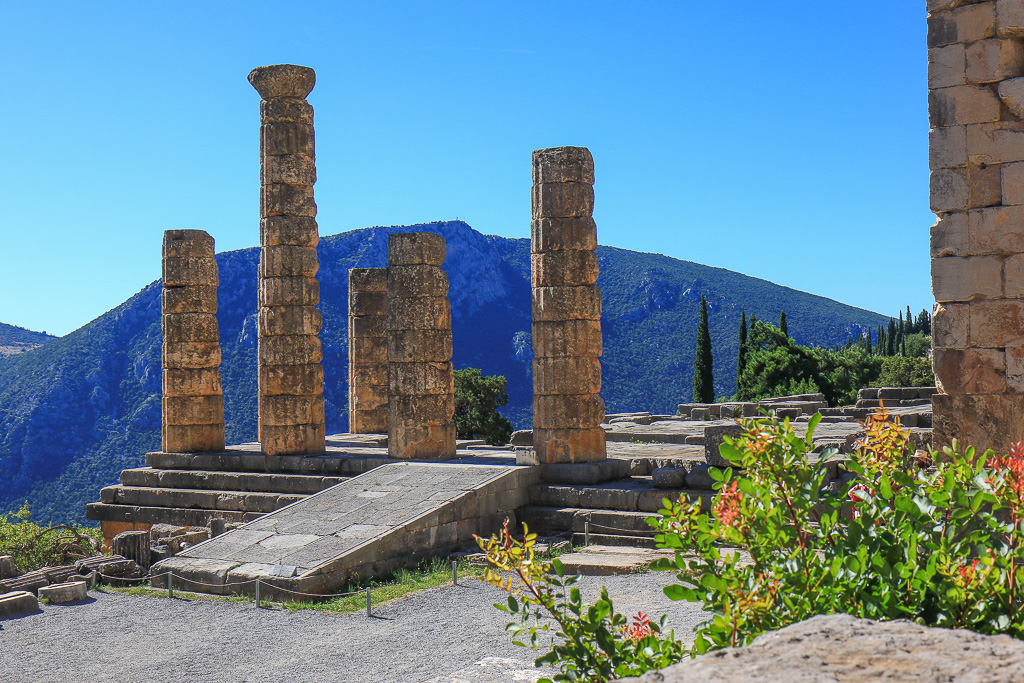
(368, 350)
(567, 405)
(291, 376)
(976, 112)
(421, 384)
(193, 402)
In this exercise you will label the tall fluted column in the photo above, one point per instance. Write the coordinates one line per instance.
(567, 405)
(291, 376)
(368, 350)
(421, 382)
(193, 402)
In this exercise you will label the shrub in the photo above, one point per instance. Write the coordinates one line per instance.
(477, 399)
(898, 371)
(33, 546)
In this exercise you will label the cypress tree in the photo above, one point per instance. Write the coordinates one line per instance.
(910, 322)
(867, 342)
(741, 360)
(703, 377)
(890, 338)
(782, 323)
(880, 341)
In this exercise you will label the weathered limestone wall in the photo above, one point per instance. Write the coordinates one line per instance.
(291, 376)
(193, 402)
(567, 345)
(421, 382)
(976, 107)
(368, 350)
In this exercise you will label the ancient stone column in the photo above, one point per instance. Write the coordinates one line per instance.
(368, 350)
(421, 383)
(567, 405)
(291, 377)
(976, 111)
(193, 402)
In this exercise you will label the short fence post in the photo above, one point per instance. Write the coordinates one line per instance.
(368, 602)
(257, 593)
(170, 585)
(586, 532)
(455, 572)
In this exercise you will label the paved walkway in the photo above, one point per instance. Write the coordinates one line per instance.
(443, 635)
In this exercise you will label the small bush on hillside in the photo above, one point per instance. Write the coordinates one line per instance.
(34, 546)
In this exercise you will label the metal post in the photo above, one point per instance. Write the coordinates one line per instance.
(455, 572)
(257, 593)
(368, 613)
(586, 532)
(170, 585)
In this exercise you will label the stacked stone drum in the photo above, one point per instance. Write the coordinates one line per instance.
(421, 382)
(291, 377)
(567, 405)
(193, 402)
(368, 350)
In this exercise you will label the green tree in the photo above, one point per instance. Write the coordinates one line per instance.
(477, 399)
(782, 323)
(703, 373)
(880, 343)
(890, 338)
(924, 322)
(917, 345)
(899, 371)
(741, 358)
(909, 323)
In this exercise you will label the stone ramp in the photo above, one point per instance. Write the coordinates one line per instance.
(395, 515)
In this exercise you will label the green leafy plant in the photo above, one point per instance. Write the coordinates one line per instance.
(587, 642)
(34, 546)
(477, 399)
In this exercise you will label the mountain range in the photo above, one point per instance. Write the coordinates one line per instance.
(77, 409)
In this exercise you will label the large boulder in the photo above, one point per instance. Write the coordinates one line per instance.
(838, 647)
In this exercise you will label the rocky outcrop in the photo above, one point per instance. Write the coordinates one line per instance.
(838, 647)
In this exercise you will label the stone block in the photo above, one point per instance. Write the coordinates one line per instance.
(287, 137)
(292, 169)
(962, 104)
(282, 80)
(419, 313)
(291, 410)
(1013, 276)
(295, 380)
(416, 281)
(566, 303)
(951, 325)
(1015, 369)
(990, 143)
(949, 190)
(370, 397)
(567, 338)
(1010, 18)
(286, 109)
(962, 25)
(188, 300)
(63, 593)
(608, 498)
(187, 244)
(997, 324)
(297, 349)
(290, 291)
(563, 200)
(1011, 92)
(190, 355)
(419, 379)
(368, 280)
(554, 234)
(567, 411)
(190, 327)
(416, 249)
(368, 374)
(566, 375)
(947, 147)
(569, 445)
(412, 441)
(192, 382)
(368, 421)
(296, 231)
(985, 186)
(700, 478)
(289, 320)
(280, 199)
(994, 59)
(192, 438)
(563, 165)
(566, 268)
(421, 346)
(965, 279)
(996, 230)
(368, 349)
(970, 371)
(982, 421)
(429, 410)
(16, 603)
(300, 439)
(585, 472)
(193, 410)
(1013, 183)
(669, 477)
(7, 567)
(367, 303)
(713, 439)
(368, 326)
(288, 261)
(947, 66)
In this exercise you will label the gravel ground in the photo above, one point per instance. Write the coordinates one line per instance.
(442, 635)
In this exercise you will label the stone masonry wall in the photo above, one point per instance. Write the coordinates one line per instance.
(291, 376)
(367, 350)
(421, 382)
(567, 344)
(193, 402)
(976, 112)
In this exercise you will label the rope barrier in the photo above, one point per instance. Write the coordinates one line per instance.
(178, 578)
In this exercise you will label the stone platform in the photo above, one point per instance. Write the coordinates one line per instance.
(393, 516)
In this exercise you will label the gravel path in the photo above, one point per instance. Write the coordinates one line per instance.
(442, 635)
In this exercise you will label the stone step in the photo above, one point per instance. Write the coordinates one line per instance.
(636, 494)
(138, 514)
(606, 560)
(227, 481)
(618, 540)
(237, 501)
(551, 520)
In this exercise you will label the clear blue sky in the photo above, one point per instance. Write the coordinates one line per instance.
(787, 141)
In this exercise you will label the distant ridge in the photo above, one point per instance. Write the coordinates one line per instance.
(14, 339)
(82, 407)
